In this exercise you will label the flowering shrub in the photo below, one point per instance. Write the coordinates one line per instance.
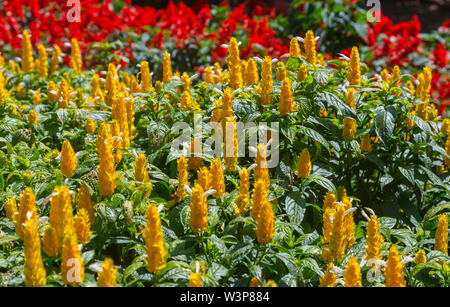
(94, 192)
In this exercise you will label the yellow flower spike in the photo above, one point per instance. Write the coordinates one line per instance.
(264, 230)
(65, 216)
(447, 150)
(182, 166)
(266, 81)
(252, 73)
(195, 162)
(420, 257)
(234, 64)
(327, 230)
(140, 168)
(107, 277)
(411, 87)
(349, 130)
(304, 164)
(115, 134)
(218, 75)
(27, 210)
(55, 59)
(90, 126)
(227, 103)
(52, 91)
(130, 118)
(328, 201)
(68, 159)
(350, 98)
(187, 104)
(146, 77)
(34, 271)
(82, 226)
(154, 240)
(106, 168)
(72, 265)
(374, 239)
(63, 94)
(95, 85)
(167, 68)
(27, 56)
(352, 274)
(281, 71)
(441, 237)
(396, 74)
(204, 178)
(385, 76)
(261, 171)
(244, 69)
(310, 48)
(209, 78)
(302, 73)
(286, 104)
(254, 282)
(217, 179)
(393, 273)
(75, 60)
(85, 202)
(36, 98)
(366, 144)
(329, 278)
(294, 48)
(349, 224)
(445, 126)
(11, 209)
(320, 59)
(187, 81)
(259, 198)
(43, 62)
(337, 239)
(195, 280)
(198, 209)
(271, 284)
(242, 200)
(50, 241)
(32, 118)
(427, 86)
(354, 75)
(230, 149)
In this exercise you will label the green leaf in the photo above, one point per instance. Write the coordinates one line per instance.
(314, 135)
(295, 208)
(433, 211)
(384, 125)
(325, 183)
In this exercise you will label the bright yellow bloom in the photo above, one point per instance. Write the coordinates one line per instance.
(195, 161)
(302, 73)
(187, 104)
(366, 144)
(32, 118)
(286, 104)
(294, 48)
(242, 200)
(119, 113)
(68, 159)
(63, 94)
(111, 84)
(195, 280)
(254, 282)
(411, 87)
(199, 209)
(327, 230)
(167, 68)
(354, 75)
(107, 277)
(234, 64)
(352, 274)
(182, 166)
(227, 103)
(396, 74)
(329, 278)
(261, 171)
(187, 81)
(106, 168)
(230, 149)
(90, 125)
(65, 216)
(27, 210)
(349, 224)
(328, 201)
(244, 65)
(271, 284)
(320, 59)
(75, 60)
(82, 226)
(130, 117)
(209, 78)
(266, 81)
(72, 265)
(218, 76)
(349, 128)
(441, 238)
(34, 270)
(304, 164)
(146, 77)
(310, 48)
(36, 98)
(447, 150)
(393, 273)
(50, 241)
(350, 98)
(385, 76)
(281, 71)
(374, 239)
(337, 239)
(11, 209)
(52, 91)
(43, 63)
(259, 198)
(264, 230)
(252, 73)
(140, 168)
(204, 178)
(420, 257)
(55, 59)
(154, 240)
(217, 179)
(27, 56)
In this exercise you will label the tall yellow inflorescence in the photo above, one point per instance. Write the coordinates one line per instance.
(119, 113)
(43, 62)
(27, 56)
(195, 162)
(349, 129)
(352, 274)
(63, 94)
(107, 276)
(349, 223)
(234, 64)
(72, 265)
(244, 69)
(266, 81)
(327, 230)
(111, 84)
(447, 150)
(146, 77)
(328, 279)
(393, 273)
(242, 200)
(310, 48)
(441, 237)
(27, 210)
(302, 73)
(304, 164)
(281, 71)
(420, 257)
(154, 240)
(286, 104)
(55, 59)
(252, 72)
(218, 75)
(85, 202)
(265, 226)
(34, 270)
(261, 171)
(259, 198)
(209, 77)
(11, 209)
(337, 239)
(217, 178)
(374, 239)
(68, 159)
(187, 81)
(294, 48)
(75, 60)
(141, 174)
(198, 209)
(64, 226)
(90, 125)
(82, 226)
(167, 68)
(227, 103)
(182, 166)
(204, 178)
(32, 118)
(230, 148)
(50, 241)
(328, 201)
(366, 144)
(106, 168)
(195, 280)
(354, 75)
